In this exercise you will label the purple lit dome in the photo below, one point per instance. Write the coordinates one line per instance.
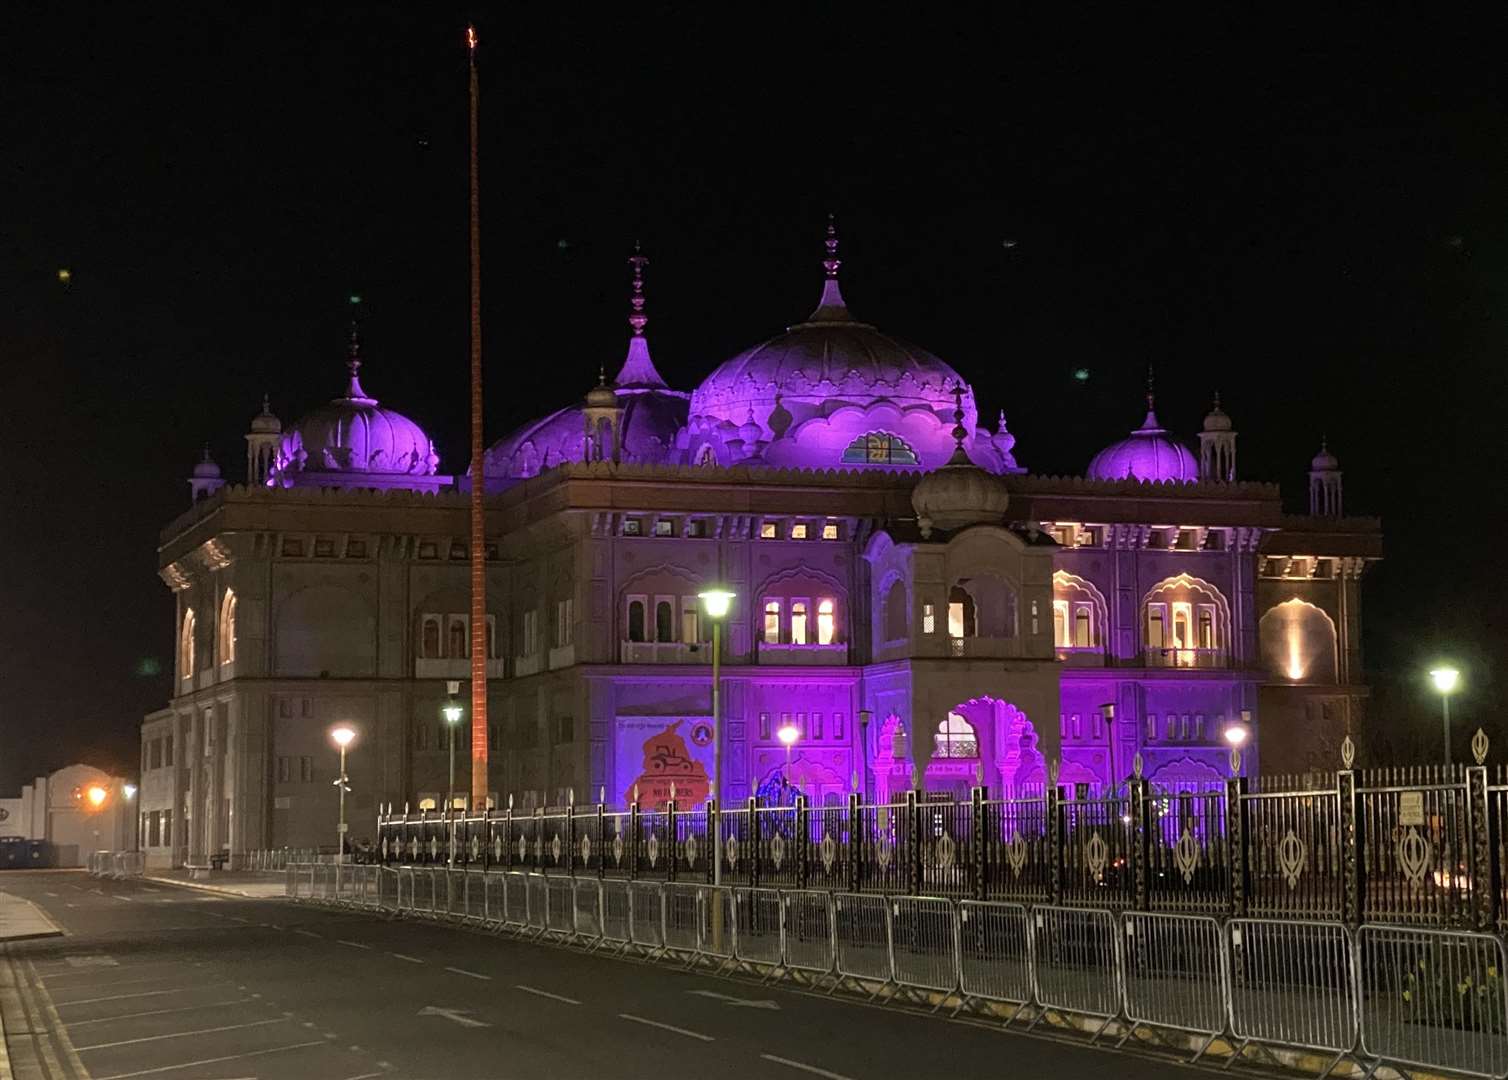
(1324, 461)
(1149, 454)
(354, 435)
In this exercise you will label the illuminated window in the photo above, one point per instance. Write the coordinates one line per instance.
(764, 725)
(632, 527)
(798, 622)
(1157, 631)
(1077, 725)
(929, 619)
(664, 527)
(429, 802)
(691, 617)
(955, 738)
(1060, 622)
(772, 622)
(636, 619)
(879, 448)
(825, 622)
(830, 531)
(1083, 634)
(186, 646)
(1206, 627)
(228, 627)
(798, 531)
(768, 530)
(961, 615)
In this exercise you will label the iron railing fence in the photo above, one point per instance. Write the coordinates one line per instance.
(1421, 846)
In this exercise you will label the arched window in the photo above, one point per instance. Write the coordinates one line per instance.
(664, 621)
(961, 615)
(1083, 627)
(798, 622)
(1187, 624)
(708, 457)
(455, 636)
(879, 448)
(492, 637)
(186, 646)
(429, 641)
(895, 612)
(772, 622)
(228, 627)
(636, 620)
(955, 738)
(826, 624)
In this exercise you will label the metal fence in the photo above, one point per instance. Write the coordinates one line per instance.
(116, 865)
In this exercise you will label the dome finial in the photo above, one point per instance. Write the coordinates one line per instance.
(831, 308)
(638, 369)
(354, 392)
(960, 456)
(1151, 422)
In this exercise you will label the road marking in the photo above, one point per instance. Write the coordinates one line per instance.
(805, 1068)
(52, 894)
(666, 1027)
(353, 944)
(364, 1076)
(457, 1015)
(110, 984)
(125, 997)
(410, 959)
(310, 933)
(181, 1034)
(473, 974)
(545, 994)
(210, 1061)
(729, 999)
(91, 960)
(155, 1012)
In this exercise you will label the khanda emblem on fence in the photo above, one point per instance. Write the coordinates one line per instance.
(1186, 855)
(497, 849)
(586, 848)
(1291, 858)
(653, 847)
(777, 850)
(945, 851)
(1414, 857)
(1015, 853)
(1096, 854)
(730, 849)
(476, 847)
(691, 850)
(555, 849)
(618, 844)
(829, 851)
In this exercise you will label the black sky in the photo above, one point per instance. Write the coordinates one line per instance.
(1306, 217)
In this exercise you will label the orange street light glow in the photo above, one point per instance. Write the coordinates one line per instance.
(471, 37)
(96, 795)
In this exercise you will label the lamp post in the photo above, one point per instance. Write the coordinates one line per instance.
(788, 733)
(452, 714)
(129, 791)
(717, 602)
(865, 716)
(342, 736)
(1446, 679)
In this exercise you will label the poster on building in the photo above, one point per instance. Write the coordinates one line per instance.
(655, 753)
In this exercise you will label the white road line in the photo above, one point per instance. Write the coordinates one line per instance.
(111, 984)
(126, 997)
(545, 994)
(410, 959)
(805, 1068)
(473, 974)
(666, 1027)
(353, 944)
(310, 933)
(365, 1076)
(52, 894)
(181, 1034)
(210, 1061)
(155, 1012)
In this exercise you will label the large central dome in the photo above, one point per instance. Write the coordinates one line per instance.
(833, 391)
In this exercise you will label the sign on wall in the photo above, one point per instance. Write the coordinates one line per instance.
(658, 752)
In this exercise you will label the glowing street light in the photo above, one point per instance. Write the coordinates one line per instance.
(788, 734)
(96, 796)
(1446, 679)
(342, 736)
(1237, 735)
(452, 714)
(129, 790)
(717, 602)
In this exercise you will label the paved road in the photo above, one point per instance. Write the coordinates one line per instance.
(156, 981)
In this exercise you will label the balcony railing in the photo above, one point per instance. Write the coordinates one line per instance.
(1081, 655)
(452, 667)
(988, 648)
(666, 652)
(1185, 658)
(833, 653)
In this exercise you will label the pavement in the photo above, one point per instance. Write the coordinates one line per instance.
(20, 920)
(254, 884)
(153, 980)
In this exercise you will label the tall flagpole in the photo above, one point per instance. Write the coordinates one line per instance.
(479, 651)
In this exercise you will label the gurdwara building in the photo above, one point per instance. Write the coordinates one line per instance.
(912, 606)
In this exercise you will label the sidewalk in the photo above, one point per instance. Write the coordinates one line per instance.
(21, 919)
(246, 884)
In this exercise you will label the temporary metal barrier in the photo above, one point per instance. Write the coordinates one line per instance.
(757, 916)
(924, 942)
(1076, 961)
(586, 898)
(1174, 973)
(292, 877)
(560, 906)
(616, 916)
(1434, 998)
(387, 888)
(476, 895)
(1293, 983)
(715, 921)
(682, 920)
(646, 914)
(994, 951)
(427, 889)
(539, 903)
(809, 930)
(862, 931)
(494, 898)
(516, 898)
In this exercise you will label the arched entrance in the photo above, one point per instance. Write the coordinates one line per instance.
(980, 741)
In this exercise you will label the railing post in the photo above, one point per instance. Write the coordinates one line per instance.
(1484, 875)
(913, 843)
(601, 844)
(977, 834)
(1351, 841)
(1141, 843)
(508, 836)
(755, 850)
(539, 839)
(855, 848)
(714, 823)
(673, 844)
(803, 842)
(1053, 805)
(1235, 844)
(633, 836)
(571, 832)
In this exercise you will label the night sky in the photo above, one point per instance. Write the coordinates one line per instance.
(1307, 218)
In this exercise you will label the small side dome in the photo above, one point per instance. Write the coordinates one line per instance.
(206, 469)
(265, 423)
(1324, 461)
(960, 493)
(1216, 419)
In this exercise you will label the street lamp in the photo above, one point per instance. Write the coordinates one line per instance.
(342, 736)
(788, 733)
(717, 602)
(452, 714)
(865, 716)
(1446, 679)
(1237, 735)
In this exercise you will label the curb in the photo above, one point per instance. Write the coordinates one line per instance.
(215, 889)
